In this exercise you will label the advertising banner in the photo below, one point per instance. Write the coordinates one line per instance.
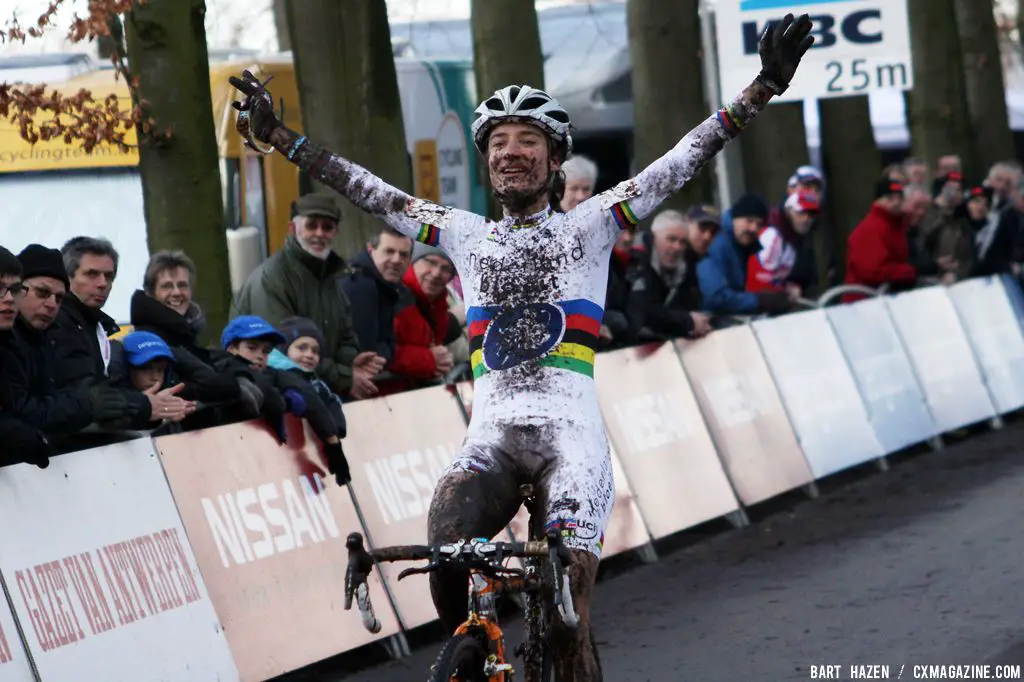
(861, 46)
(268, 526)
(942, 357)
(818, 390)
(895, 403)
(745, 414)
(101, 573)
(995, 334)
(404, 443)
(656, 426)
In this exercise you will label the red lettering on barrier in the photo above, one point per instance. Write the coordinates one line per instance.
(40, 622)
(5, 648)
(123, 615)
(123, 553)
(80, 585)
(144, 546)
(191, 589)
(120, 551)
(68, 627)
(47, 608)
(143, 576)
(168, 560)
(97, 590)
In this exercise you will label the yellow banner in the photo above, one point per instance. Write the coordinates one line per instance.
(18, 156)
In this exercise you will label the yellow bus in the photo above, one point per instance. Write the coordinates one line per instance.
(52, 191)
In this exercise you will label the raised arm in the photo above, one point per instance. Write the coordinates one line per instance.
(416, 218)
(781, 49)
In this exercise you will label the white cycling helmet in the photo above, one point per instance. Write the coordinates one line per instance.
(522, 104)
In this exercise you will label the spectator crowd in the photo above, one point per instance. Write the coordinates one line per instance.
(311, 330)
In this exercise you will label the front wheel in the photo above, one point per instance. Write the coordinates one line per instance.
(461, 660)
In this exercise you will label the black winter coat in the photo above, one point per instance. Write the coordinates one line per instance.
(373, 306)
(274, 383)
(27, 388)
(654, 308)
(76, 345)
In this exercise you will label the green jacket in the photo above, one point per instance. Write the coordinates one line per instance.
(292, 282)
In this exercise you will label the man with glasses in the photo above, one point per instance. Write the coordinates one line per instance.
(27, 356)
(21, 443)
(304, 280)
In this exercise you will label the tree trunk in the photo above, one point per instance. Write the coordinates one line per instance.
(774, 146)
(284, 42)
(167, 53)
(1020, 26)
(852, 164)
(937, 111)
(110, 44)
(667, 102)
(346, 78)
(506, 51)
(983, 74)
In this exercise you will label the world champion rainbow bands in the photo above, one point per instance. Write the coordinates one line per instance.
(575, 352)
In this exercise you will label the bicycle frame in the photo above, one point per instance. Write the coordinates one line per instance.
(483, 617)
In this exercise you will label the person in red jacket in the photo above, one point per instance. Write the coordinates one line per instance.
(423, 323)
(877, 251)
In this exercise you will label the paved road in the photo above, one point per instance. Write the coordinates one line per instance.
(917, 566)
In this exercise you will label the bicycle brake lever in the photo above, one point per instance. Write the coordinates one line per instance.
(429, 568)
(360, 564)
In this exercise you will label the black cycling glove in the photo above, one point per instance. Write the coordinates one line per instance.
(781, 49)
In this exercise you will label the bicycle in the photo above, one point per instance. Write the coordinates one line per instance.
(476, 651)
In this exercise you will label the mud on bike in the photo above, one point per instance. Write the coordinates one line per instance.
(476, 651)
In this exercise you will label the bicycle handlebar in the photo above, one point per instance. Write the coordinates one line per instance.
(477, 553)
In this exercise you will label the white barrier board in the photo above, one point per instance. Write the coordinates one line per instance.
(14, 665)
(818, 390)
(101, 573)
(995, 334)
(942, 357)
(884, 375)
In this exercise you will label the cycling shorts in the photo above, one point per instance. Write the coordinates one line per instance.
(570, 466)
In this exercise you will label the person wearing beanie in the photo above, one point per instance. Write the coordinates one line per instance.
(423, 324)
(723, 274)
(22, 443)
(299, 354)
(27, 361)
(877, 251)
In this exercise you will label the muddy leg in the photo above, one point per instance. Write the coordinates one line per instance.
(571, 649)
(466, 505)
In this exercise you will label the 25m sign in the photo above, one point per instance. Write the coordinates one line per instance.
(860, 46)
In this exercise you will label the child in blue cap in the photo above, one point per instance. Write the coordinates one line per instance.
(250, 340)
(143, 361)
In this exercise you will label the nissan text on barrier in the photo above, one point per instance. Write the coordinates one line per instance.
(860, 46)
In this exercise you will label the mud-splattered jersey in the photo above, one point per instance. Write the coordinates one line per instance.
(534, 287)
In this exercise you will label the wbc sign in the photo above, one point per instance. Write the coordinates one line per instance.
(860, 46)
